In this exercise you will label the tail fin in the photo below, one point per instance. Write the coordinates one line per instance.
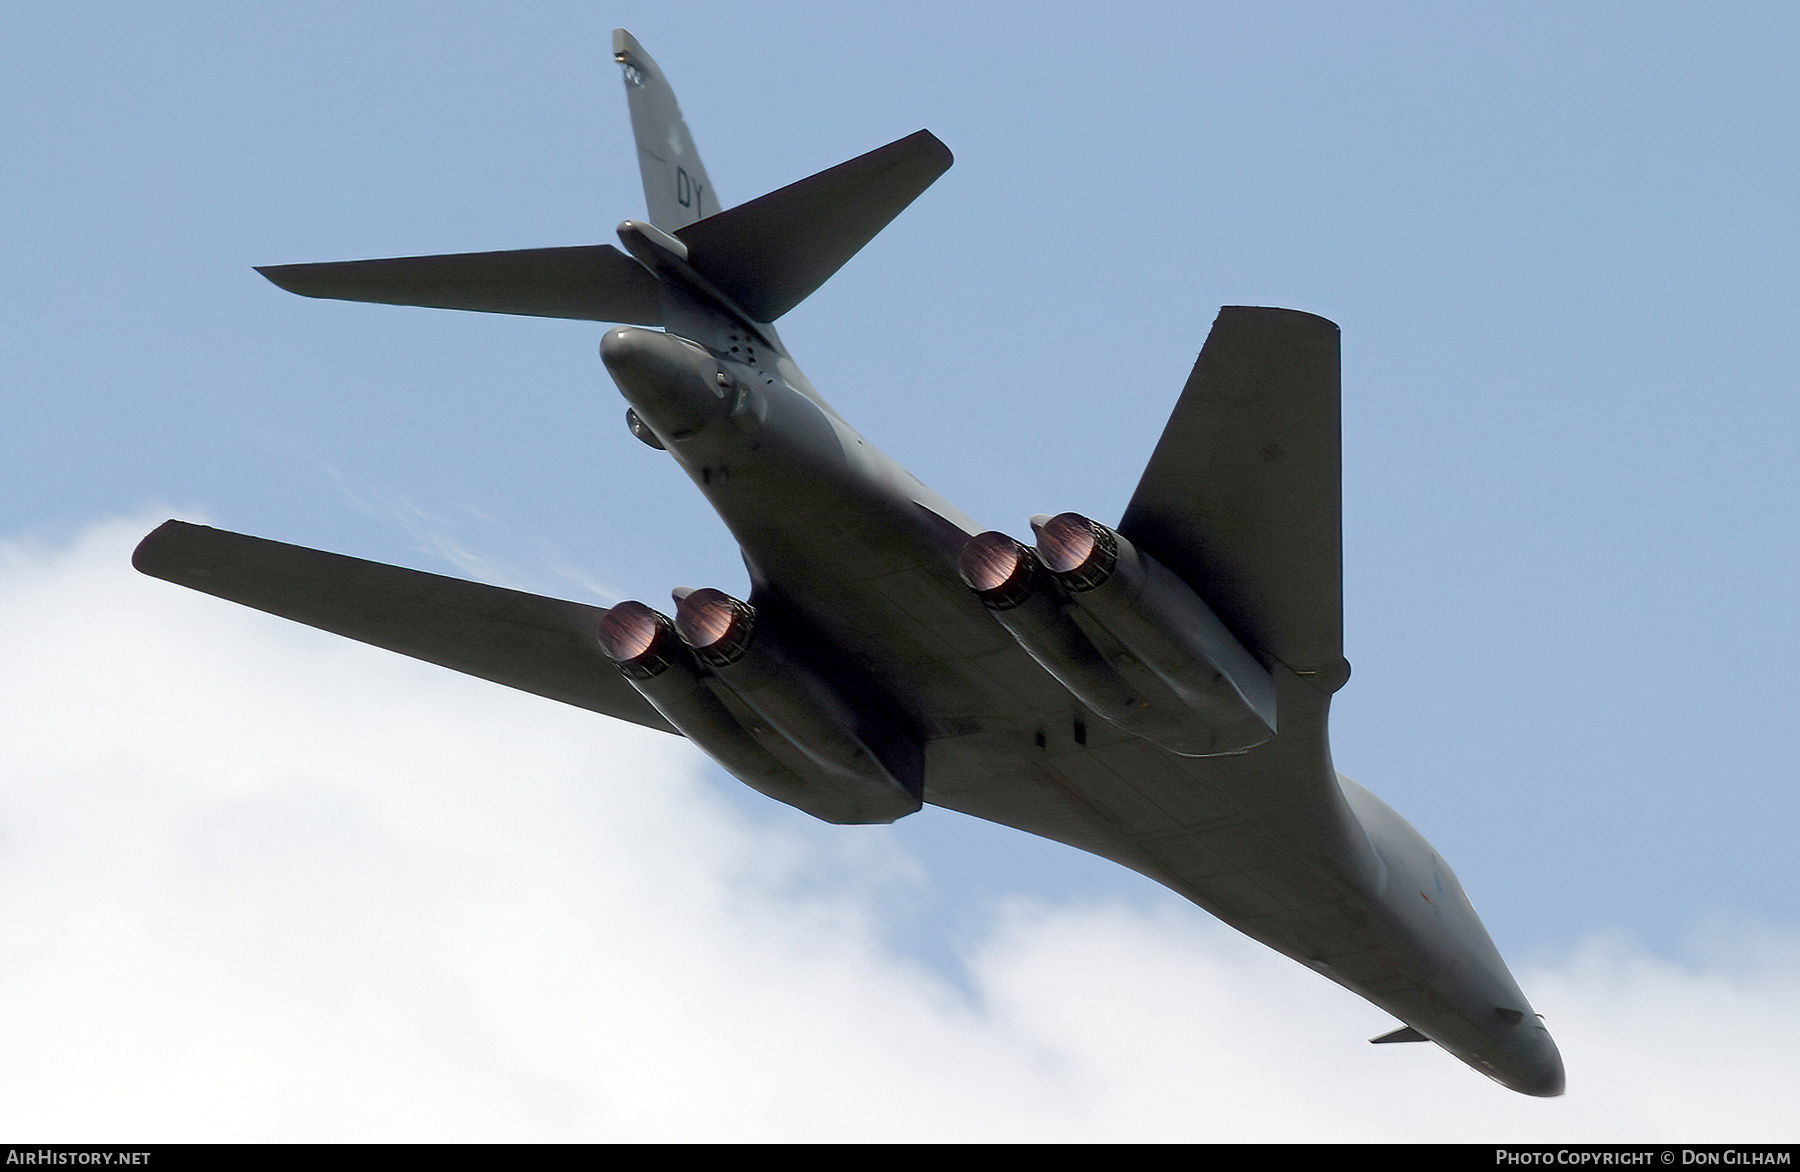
(758, 260)
(676, 189)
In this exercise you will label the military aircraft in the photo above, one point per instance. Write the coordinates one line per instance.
(1154, 692)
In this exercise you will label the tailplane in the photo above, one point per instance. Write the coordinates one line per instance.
(756, 261)
(770, 254)
(594, 282)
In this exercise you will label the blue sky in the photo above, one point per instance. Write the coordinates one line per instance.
(1561, 245)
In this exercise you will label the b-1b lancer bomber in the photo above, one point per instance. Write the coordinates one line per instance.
(1153, 691)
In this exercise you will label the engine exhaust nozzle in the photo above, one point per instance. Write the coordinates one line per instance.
(1002, 572)
(639, 640)
(1081, 553)
(716, 626)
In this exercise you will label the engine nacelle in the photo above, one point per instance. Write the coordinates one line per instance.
(1124, 635)
(644, 646)
(1024, 598)
(861, 744)
(774, 725)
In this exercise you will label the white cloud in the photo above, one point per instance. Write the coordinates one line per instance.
(257, 883)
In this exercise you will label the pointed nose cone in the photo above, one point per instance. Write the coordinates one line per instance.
(671, 384)
(1546, 1078)
(1527, 1060)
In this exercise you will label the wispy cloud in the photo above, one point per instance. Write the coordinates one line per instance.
(257, 883)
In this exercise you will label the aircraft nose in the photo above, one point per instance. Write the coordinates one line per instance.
(1539, 1070)
(671, 383)
(1551, 1080)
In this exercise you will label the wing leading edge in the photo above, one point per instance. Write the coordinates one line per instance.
(540, 645)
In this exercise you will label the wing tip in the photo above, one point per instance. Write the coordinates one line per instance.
(934, 146)
(144, 557)
(1275, 315)
(289, 278)
(158, 555)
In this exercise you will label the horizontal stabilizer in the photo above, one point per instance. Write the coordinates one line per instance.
(1403, 1034)
(770, 254)
(539, 645)
(592, 282)
(1242, 497)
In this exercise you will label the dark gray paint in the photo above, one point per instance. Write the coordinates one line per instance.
(851, 557)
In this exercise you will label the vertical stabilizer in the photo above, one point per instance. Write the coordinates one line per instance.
(676, 188)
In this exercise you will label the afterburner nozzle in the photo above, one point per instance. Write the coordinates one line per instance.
(998, 569)
(1081, 553)
(716, 626)
(639, 640)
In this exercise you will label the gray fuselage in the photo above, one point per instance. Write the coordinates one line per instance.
(851, 555)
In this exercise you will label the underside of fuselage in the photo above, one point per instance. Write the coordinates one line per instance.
(848, 551)
(1155, 693)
